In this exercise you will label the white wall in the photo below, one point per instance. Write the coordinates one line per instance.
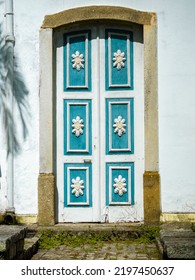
(176, 106)
(176, 82)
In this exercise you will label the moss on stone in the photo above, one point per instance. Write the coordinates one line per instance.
(51, 239)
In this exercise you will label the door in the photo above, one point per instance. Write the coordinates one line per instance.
(100, 123)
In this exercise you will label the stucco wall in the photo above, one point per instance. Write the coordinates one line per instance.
(176, 83)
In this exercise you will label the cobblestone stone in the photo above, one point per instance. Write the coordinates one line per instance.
(105, 251)
(122, 249)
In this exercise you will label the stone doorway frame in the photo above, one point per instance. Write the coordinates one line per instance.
(68, 19)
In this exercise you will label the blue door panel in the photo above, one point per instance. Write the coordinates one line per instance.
(78, 185)
(119, 60)
(120, 183)
(77, 127)
(119, 126)
(77, 61)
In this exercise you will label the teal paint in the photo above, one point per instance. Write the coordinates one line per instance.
(84, 172)
(120, 142)
(116, 144)
(114, 170)
(119, 79)
(75, 80)
(74, 145)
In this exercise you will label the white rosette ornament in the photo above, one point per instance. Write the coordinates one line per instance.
(77, 186)
(118, 60)
(120, 185)
(78, 61)
(119, 125)
(77, 125)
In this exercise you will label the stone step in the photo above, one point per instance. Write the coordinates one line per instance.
(96, 230)
(124, 230)
(16, 243)
(178, 244)
(30, 247)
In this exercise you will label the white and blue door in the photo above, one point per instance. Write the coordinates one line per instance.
(100, 124)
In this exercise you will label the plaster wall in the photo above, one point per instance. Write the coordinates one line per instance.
(176, 83)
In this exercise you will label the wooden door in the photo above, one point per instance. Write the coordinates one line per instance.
(100, 137)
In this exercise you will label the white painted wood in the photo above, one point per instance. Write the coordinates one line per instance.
(77, 214)
(134, 212)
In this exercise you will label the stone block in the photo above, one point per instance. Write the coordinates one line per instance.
(46, 214)
(178, 244)
(151, 197)
(12, 251)
(20, 246)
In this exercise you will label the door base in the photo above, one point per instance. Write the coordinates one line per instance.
(46, 187)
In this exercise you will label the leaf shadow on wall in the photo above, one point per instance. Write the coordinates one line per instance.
(14, 137)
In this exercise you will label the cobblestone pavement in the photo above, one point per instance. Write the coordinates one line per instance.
(102, 251)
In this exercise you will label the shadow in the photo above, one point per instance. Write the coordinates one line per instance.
(20, 93)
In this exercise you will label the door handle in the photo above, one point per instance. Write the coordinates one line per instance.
(87, 160)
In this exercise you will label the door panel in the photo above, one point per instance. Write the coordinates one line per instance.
(120, 183)
(77, 58)
(78, 185)
(119, 59)
(119, 126)
(123, 94)
(77, 127)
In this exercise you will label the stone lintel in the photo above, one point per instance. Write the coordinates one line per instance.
(98, 13)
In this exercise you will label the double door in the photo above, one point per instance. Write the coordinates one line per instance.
(99, 124)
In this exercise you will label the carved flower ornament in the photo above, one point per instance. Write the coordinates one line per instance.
(77, 186)
(119, 60)
(120, 185)
(77, 125)
(78, 61)
(119, 125)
